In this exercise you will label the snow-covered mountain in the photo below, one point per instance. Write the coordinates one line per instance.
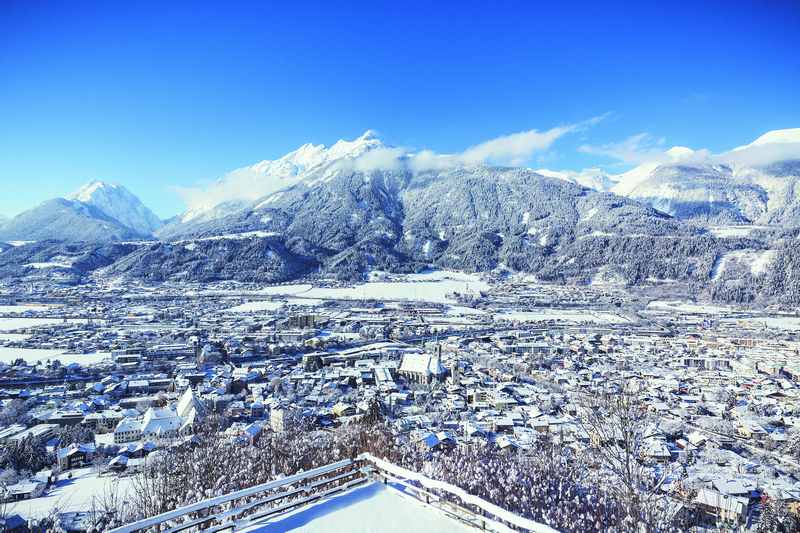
(118, 203)
(98, 212)
(626, 182)
(755, 183)
(360, 205)
(592, 178)
(306, 165)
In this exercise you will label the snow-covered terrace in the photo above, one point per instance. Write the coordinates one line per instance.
(365, 509)
(367, 494)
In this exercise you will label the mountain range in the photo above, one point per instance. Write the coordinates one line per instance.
(721, 223)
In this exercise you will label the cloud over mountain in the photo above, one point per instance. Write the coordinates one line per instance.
(366, 153)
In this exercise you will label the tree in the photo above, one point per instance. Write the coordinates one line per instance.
(28, 454)
(76, 434)
(776, 518)
(620, 427)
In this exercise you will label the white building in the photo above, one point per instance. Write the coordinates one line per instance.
(422, 367)
(162, 422)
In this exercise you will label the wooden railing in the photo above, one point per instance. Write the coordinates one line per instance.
(243, 508)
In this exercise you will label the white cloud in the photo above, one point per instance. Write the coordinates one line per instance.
(240, 185)
(755, 156)
(514, 149)
(643, 149)
(776, 145)
(636, 149)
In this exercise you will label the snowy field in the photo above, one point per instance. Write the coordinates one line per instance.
(13, 336)
(426, 287)
(686, 307)
(22, 308)
(569, 315)
(31, 355)
(368, 509)
(252, 307)
(7, 324)
(304, 301)
(433, 286)
(460, 310)
(76, 494)
(734, 231)
(286, 290)
(789, 323)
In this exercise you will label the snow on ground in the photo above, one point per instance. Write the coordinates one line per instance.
(366, 509)
(598, 317)
(304, 301)
(733, 231)
(13, 336)
(31, 355)
(76, 494)
(231, 236)
(433, 286)
(23, 308)
(686, 307)
(7, 324)
(460, 310)
(51, 264)
(287, 290)
(756, 260)
(251, 307)
(790, 323)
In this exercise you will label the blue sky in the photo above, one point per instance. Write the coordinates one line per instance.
(176, 94)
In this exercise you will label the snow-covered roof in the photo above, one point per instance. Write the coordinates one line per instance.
(158, 421)
(422, 363)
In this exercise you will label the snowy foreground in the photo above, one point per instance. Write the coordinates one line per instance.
(367, 509)
(83, 492)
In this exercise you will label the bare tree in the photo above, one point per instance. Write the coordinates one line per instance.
(4, 505)
(622, 431)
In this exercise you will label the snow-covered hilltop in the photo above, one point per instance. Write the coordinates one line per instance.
(98, 212)
(117, 202)
(306, 165)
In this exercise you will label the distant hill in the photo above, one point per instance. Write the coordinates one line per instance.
(98, 212)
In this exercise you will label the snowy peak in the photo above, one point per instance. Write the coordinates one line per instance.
(303, 165)
(97, 212)
(310, 156)
(116, 202)
(91, 190)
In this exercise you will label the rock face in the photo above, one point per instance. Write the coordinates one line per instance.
(99, 212)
